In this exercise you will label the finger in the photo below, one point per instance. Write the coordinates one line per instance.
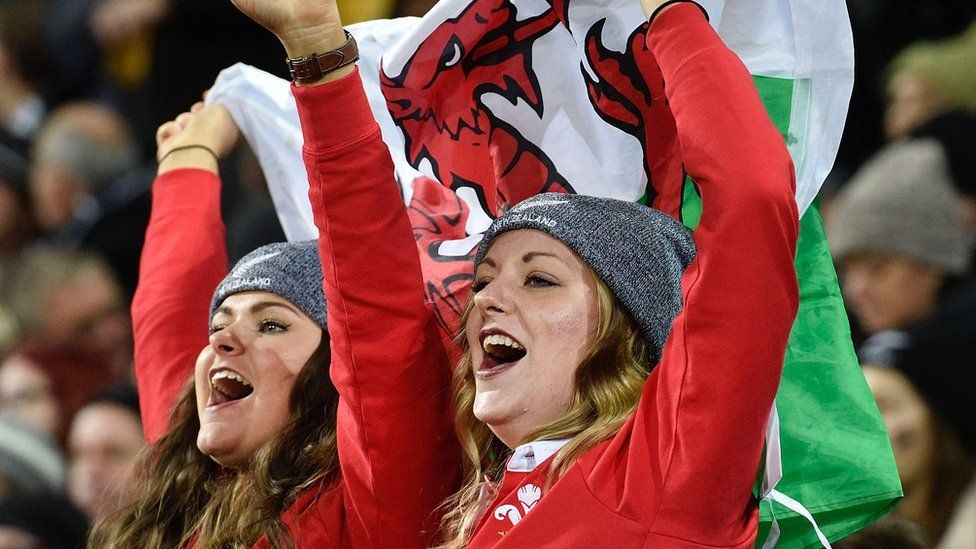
(184, 119)
(197, 107)
(166, 131)
(206, 92)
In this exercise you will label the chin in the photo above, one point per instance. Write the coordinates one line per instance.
(486, 411)
(501, 422)
(225, 452)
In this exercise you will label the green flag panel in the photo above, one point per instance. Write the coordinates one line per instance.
(836, 457)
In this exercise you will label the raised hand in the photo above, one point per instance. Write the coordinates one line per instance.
(303, 26)
(189, 140)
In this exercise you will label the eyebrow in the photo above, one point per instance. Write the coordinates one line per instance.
(257, 307)
(529, 256)
(532, 255)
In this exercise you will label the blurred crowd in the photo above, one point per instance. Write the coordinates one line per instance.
(85, 83)
(83, 86)
(900, 211)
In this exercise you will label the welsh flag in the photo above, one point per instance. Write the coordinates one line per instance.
(484, 103)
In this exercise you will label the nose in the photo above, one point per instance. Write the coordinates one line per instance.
(492, 299)
(226, 342)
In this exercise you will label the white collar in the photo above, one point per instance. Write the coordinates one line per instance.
(527, 457)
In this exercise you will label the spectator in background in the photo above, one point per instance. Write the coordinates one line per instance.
(925, 397)
(103, 444)
(882, 28)
(903, 244)
(900, 238)
(888, 102)
(70, 299)
(956, 132)
(44, 385)
(16, 223)
(81, 148)
(930, 79)
(22, 66)
(41, 522)
(16, 228)
(156, 54)
(30, 462)
(87, 191)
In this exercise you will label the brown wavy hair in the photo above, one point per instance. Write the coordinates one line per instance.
(185, 495)
(609, 381)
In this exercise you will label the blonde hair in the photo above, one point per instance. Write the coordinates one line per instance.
(609, 381)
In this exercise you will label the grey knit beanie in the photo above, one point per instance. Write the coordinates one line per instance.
(902, 202)
(292, 270)
(638, 252)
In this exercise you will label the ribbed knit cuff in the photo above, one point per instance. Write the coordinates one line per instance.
(679, 34)
(335, 114)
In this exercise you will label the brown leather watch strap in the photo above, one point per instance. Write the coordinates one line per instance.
(313, 67)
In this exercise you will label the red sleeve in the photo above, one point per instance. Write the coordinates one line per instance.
(396, 446)
(183, 260)
(701, 419)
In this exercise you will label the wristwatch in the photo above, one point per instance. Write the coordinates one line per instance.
(310, 68)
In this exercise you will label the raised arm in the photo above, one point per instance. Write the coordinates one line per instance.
(183, 260)
(397, 448)
(396, 445)
(703, 413)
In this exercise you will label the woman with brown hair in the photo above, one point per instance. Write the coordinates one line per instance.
(278, 439)
(45, 384)
(922, 381)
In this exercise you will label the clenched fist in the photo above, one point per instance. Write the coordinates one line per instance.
(208, 126)
(303, 26)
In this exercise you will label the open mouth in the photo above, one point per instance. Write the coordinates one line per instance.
(501, 352)
(228, 386)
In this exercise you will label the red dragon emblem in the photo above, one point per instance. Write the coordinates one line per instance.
(437, 100)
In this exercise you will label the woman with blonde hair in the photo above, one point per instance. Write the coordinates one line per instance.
(585, 418)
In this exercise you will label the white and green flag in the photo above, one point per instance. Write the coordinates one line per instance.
(484, 103)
